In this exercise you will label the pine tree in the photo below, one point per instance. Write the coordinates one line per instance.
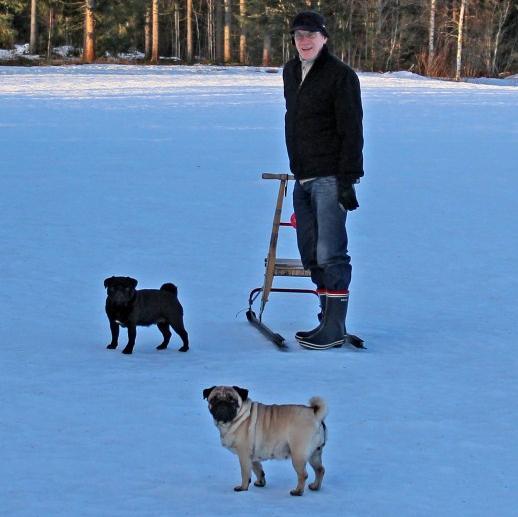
(154, 32)
(8, 10)
(227, 29)
(33, 43)
(89, 40)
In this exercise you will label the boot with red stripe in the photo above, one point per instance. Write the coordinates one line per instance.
(330, 333)
(303, 334)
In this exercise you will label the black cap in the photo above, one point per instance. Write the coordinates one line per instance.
(309, 21)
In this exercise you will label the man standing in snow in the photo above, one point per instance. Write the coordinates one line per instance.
(324, 138)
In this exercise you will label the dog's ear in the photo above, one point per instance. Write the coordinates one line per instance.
(242, 392)
(207, 392)
(108, 282)
(132, 282)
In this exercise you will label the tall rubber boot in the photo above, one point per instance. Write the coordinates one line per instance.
(331, 332)
(301, 334)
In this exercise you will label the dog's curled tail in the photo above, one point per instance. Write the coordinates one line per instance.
(170, 287)
(319, 406)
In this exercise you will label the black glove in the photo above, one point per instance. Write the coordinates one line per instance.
(347, 196)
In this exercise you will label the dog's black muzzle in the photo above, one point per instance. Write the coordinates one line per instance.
(223, 410)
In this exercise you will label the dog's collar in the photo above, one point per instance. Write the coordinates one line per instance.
(242, 415)
(248, 410)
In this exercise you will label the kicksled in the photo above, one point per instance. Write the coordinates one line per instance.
(284, 267)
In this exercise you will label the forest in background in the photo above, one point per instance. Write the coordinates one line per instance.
(442, 38)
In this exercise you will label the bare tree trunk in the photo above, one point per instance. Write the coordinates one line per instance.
(349, 31)
(198, 51)
(286, 47)
(188, 22)
(227, 46)
(431, 37)
(177, 47)
(147, 34)
(49, 39)
(211, 43)
(395, 36)
(460, 36)
(368, 46)
(501, 22)
(154, 32)
(66, 30)
(242, 36)
(33, 43)
(511, 59)
(219, 31)
(378, 25)
(89, 46)
(267, 48)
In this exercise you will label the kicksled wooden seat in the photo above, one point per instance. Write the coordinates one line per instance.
(274, 266)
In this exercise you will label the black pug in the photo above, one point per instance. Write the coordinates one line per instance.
(129, 307)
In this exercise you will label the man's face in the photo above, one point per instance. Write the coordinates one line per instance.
(309, 44)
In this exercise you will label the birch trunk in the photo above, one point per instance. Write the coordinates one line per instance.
(501, 22)
(211, 54)
(431, 37)
(49, 39)
(460, 40)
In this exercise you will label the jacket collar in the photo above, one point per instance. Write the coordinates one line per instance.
(322, 56)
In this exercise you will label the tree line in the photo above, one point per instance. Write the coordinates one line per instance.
(431, 37)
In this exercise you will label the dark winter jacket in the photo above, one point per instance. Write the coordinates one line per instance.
(323, 123)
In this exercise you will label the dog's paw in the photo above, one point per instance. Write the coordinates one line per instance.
(183, 349)
(314, 486)
(240, 489)
(296, 492)
(161, 347)
(127, 351)
(111, 346)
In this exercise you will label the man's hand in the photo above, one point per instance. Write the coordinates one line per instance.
(347, 196)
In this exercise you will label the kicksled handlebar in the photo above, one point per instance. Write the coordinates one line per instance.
(277, 176)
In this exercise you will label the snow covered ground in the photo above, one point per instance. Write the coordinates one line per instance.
(156, 173)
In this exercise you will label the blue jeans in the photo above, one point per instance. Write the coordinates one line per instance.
(321, 233)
